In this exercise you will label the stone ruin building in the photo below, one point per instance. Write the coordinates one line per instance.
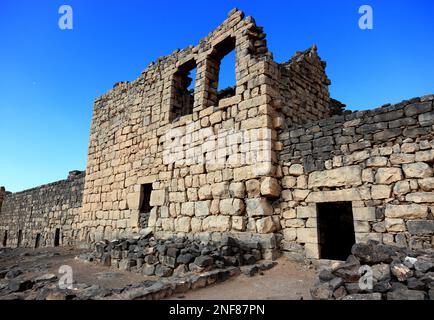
(272, 159)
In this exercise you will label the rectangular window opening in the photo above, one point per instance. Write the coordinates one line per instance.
(222, 67)
(335, 230)
(183, 83)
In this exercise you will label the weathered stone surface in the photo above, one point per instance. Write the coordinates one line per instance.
(201, 208)
(426, 156)
(381, 192)
(270, 187)
(388, 175)
(394, 225)
(420, 227)
(216, 223)
(237, 190)
(296, 170)
(258, 207)
(376, 162)
(334, 196)
(253, 188)
(420, 197)
(345, 176)
(426, 119)
(232, 207)
(417, 108)
(204, 261)
(426, 184)
(265, 225)
(307, 235)
(412, 211)
(183, 224)
(364, 214)
(306, 212)
(288, 182)
(372, 254)
(158, 198)
(401, 188)
(417, 170)
(401, 271)
(187, 208)
(401, 158)
(220, 190)
(205, 192)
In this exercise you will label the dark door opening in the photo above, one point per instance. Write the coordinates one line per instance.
(336, 230)
(145, 207)
(37, 240)
(57, 237)
(5, 238)
(20, 238)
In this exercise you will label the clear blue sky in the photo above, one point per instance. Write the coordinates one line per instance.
(49, 77)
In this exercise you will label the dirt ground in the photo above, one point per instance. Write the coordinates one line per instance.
(287, 280)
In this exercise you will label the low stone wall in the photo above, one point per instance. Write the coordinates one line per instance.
(176, 256)
(35, 214)
(379, 160)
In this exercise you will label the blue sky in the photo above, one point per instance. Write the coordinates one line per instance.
(50, 78)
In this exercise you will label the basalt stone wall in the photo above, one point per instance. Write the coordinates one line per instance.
(303, 87)
(203, 165)
(379, 160)
(30, 218)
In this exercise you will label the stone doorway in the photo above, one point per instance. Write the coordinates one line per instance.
(5, 238)
(57, 237)
(335, 229)
(20, 238)
(37, 240)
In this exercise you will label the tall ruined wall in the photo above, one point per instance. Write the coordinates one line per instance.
(212, 169)
(198, 163)
(303, 87)
(2, 195)
(380, 160)
(41, 211)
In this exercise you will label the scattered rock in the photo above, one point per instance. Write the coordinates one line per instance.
(19, 285)
(397, 274)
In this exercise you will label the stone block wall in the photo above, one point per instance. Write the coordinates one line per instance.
(211, 170)
(253, 165)
(38, 212)
(381, 160)
(303, 88)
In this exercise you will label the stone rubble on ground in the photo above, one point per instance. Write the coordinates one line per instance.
(397, 274)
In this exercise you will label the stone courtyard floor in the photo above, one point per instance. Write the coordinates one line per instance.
(34, 274)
